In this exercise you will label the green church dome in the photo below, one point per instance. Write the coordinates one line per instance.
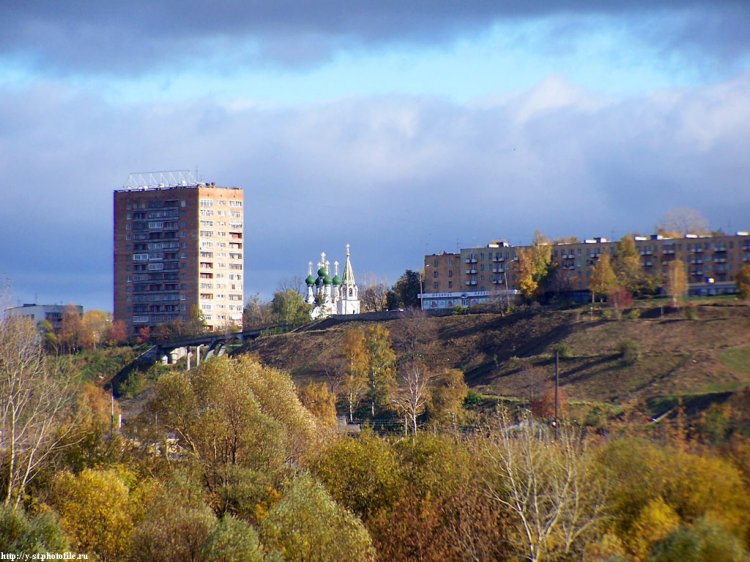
(322, 272)
(337, 280)
(327, 280)
(310, 280)
(319, 281)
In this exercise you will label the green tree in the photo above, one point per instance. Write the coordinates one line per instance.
(534, 266)
(381, 366)
(743, 282)
(36, 535)
(288, 307)
(234, 413)
(704, 540)
(307, 524)
(176, 523)
(407, 289)
(361, 474)
(232, 540)
(603, 279)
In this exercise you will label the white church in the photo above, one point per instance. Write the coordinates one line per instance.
(337, 295)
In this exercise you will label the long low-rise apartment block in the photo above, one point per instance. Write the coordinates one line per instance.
(489, 273)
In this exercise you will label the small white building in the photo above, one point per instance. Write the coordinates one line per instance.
(337, 295)
(53, 313)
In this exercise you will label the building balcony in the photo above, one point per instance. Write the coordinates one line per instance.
(471, 272)
(498, 270)
(720, 249)
(696, 262)
(471, 260)
(646, 252)
(498, 259)
(497, 282)
(471, 282)
(746, 247)
(720, 260)
(668, 251)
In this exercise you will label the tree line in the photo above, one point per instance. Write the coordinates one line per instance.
(225, 462)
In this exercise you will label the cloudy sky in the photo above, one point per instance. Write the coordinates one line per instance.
(403, 127)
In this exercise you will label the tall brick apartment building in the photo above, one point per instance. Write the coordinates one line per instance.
(479, 275)
(178, 247)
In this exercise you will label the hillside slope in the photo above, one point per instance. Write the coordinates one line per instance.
(512, 355)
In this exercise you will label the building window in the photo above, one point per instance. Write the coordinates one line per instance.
(450, 284)
(435, 285)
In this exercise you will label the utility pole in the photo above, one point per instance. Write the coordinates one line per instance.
(557, 385)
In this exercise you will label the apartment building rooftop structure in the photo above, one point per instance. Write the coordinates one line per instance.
(178, 249)
(489, 273)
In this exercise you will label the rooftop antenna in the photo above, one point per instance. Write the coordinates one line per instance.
(157, 179)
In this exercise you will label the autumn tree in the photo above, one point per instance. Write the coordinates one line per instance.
(681, 221)
(356, 369)
(548, 486)
(412, 395)
(449, 390)
(70, 330)
(381, 366)
(176, 523)
(37, 400)
(96, 511)
(251, 410)
(627, 264)
(361, 474)
(544, 406)
(117, 333)
(256, 313)
(372, 293)
(743, 282)
(603, 279)
(533, 266)
(93, 328)
(677, 282)
(318, 398)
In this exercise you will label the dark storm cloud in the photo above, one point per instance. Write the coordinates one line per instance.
(397, 177)
(137, 35)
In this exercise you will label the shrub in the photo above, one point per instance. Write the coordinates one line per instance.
(472, 399)
(629, 351)
(634, 314)
(563, 349)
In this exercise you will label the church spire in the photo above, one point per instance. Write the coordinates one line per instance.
(348, 277)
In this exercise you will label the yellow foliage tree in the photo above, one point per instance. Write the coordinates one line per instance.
(96, 511)
(656, 521)
(533, 265)
(355, 373)
(603, 278)
(677, 282)
(319, 399)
